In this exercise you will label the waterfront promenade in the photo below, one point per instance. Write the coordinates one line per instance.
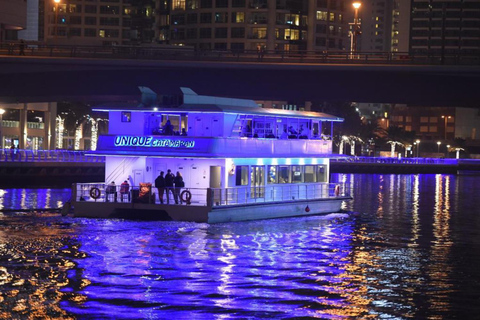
(63, 167)
(48, 168)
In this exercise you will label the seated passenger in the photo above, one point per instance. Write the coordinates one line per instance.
(184, 133)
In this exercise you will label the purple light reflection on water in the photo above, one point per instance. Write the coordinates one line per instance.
(408, 249)
(180, 269)
(11, 199)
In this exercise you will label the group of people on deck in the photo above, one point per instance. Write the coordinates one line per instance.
(169, 183)
(168, 129)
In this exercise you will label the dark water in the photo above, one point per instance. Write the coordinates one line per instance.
(408, 247)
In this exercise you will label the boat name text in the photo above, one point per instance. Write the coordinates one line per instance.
(130, 141)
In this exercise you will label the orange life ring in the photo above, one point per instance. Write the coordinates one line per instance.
(186, 196)
(337, 190)
(95, 193)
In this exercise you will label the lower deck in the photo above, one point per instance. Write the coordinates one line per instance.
(209, 204)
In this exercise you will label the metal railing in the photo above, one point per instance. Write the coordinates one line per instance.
(277, 193)
(266, 56)
(101, 192)
(406, 161)
(28, 155)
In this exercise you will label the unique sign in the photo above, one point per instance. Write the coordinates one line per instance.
(154, 142)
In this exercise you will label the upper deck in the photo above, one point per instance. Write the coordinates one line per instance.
(217, 127)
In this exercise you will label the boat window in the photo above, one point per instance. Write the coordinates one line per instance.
(283, 174)
(241, 175)
(297, 174)
(321, 173)
(126, 116)
(272, 174)
(309, 174)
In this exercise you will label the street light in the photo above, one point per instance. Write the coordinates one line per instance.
(446, 119)
(418, 148)
(2, 111)
(355, 29)
(438, 146)
(448, 149)
(56, 17)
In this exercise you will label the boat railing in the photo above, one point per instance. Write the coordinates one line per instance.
(146, 193)
(277, 193)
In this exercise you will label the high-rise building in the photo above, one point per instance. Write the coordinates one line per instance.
(239, 25)
(106, 22)
(13, 17)
(385, 25)
(445, 27)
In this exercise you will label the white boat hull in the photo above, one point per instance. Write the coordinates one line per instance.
(215, 214)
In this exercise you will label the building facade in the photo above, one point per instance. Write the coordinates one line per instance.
(106, 22)
(445, 27)
(239, 25)
(29, 125)
(13, 17)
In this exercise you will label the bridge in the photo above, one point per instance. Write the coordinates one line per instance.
(116, 78)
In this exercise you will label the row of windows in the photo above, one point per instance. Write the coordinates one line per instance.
(205, 4)
(447, 33)
(237, 17)
(331, 30)
(235, 33)
(255, 175)
(103, 21)
(435, 119)
(448, 5)
(332, 4)
(329, 16)
(447, 42)
(329, 43)
(90, 32)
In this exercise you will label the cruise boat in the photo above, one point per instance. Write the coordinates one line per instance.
(238, 161)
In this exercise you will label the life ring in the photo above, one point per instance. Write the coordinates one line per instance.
(95, 193)
(186, 196)
(337, 190)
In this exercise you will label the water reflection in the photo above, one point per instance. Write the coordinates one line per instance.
(33, 198)
(404, 250)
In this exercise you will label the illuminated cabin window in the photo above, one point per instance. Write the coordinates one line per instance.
(297, 174)
(241, 176)
(272, 175)
(321, 174)
(126, 116)
(309, 174)
(283, 174)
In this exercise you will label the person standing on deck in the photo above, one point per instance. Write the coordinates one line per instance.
(179, 184)
(169, 184)
(160, 185)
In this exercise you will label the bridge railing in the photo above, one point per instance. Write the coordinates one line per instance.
(266, 56)
(27, 155)
(406, 161)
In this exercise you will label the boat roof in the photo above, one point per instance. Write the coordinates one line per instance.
(208, 104)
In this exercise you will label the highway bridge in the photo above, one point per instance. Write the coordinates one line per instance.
(33, 78)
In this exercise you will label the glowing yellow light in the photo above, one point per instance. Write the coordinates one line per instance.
(357, 5)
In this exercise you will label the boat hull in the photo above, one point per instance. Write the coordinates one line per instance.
(215, 214)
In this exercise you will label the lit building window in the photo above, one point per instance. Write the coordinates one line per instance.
(322, 15)
(178, 5)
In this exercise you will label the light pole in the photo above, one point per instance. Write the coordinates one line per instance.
(2, 111)
(446, 120)
(355, 29)
(56, 18)
(418, 148)
(438, 146)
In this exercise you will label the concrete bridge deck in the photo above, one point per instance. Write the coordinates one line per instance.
(24, 79)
